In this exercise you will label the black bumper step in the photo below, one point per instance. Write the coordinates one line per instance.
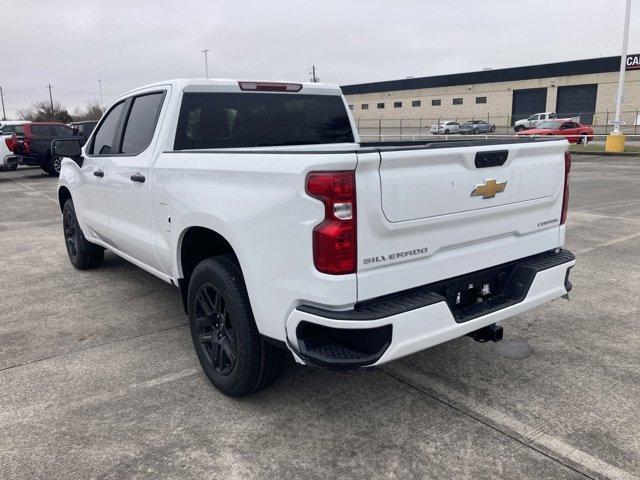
(508, 284)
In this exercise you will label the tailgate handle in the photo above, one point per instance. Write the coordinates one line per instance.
(491, 159)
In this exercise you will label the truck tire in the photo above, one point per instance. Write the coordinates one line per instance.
(82, 253)
(231, 352)
(53, 166)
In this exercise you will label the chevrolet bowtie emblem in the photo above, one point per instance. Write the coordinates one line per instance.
(488, 189)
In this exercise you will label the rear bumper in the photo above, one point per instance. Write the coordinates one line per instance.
(30, 160)
(387, 328)
(8, 160)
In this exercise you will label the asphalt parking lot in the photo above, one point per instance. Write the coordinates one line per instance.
(98, 377)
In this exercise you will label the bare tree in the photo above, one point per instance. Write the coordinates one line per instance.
(40, 111)
(93, 111)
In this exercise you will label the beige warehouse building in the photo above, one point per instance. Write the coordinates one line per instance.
(583, 87)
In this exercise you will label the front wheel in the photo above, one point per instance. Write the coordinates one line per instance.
(231, 352)
(446, 132)
(82, 253)
(519, 128)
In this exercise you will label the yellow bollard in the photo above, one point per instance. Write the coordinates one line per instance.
(614, 143)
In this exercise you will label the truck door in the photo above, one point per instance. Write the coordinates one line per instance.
(91, 196)
(127, 180)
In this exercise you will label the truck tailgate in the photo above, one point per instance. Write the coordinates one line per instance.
(442, 211)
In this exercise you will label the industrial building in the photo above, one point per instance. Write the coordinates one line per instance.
(581, 87)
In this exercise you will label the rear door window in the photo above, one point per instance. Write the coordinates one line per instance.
(103, 141)
(141, 123)
(40, 130)
(61, 131)
(242, 120)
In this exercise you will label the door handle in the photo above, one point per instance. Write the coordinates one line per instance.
(136, 177)
(98, 173)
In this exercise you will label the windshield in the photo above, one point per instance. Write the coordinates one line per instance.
(550, 125)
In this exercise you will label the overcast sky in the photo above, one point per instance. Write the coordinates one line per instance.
(71, 44)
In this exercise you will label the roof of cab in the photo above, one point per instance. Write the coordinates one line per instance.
(182, 83)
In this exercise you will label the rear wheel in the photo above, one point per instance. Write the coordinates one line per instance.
(233, 355)
(492, 129)
(82, 253)
(475, 131)
(53, 166)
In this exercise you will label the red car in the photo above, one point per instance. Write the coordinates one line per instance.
(574, 132)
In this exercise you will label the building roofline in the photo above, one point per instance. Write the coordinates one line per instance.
(547, 70)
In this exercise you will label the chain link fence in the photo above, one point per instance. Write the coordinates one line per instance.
(406, 127)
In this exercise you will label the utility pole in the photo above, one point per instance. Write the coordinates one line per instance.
(206, 62)
(4, 115)
(101, 102)
(51, 100)
(314, 77)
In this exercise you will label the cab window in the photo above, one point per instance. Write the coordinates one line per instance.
(104, 139)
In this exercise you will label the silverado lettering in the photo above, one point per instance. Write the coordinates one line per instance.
(393, 256)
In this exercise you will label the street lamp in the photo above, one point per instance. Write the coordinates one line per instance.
(615, 141)
(206, 62)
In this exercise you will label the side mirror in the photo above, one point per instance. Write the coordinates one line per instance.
(69, 148)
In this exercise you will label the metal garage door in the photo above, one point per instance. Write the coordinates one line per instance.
(528, 101)
(577, 100)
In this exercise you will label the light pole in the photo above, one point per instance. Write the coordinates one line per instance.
(101, 102)
(615, 141)
(206, 62)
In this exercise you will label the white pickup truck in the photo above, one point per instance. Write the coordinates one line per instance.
(533, 121)
(285, 234)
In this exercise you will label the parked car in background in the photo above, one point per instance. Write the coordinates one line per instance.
(573, 131)
(445, 127)
(533, 121)
(476, 126)
(83, 129)
(8, 132)
(33, 147)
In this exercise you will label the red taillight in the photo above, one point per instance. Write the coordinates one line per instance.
(270, 86)
(334, 240)
(565, 198)
(10, 141)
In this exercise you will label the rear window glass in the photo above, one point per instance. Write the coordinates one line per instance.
(240, 120)
(40, 130)
(141, 123)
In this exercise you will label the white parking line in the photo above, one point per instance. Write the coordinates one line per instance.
(606, 244)
(30, 188)
(549, 445)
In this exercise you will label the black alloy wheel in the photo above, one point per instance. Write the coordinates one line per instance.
(215, 329)
(70, 233)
